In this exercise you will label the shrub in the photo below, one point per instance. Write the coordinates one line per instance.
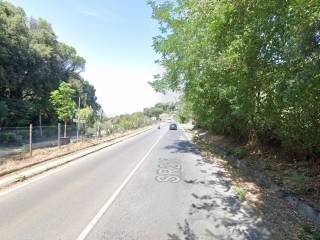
(8, 137)
(240, 192)
(240, 152)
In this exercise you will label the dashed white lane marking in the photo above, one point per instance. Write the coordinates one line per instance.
(105, 207)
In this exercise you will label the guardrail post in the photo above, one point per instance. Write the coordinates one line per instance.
(30, 140)
(59, 134)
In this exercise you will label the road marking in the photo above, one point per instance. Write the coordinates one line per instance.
(59, 168)
(85, 232)
(169, 170)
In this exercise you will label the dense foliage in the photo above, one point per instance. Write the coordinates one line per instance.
(126, 122)
(62, 100)
(33, 63)
(247, 68)
(183, 113)
(158, 109)
(137, 119)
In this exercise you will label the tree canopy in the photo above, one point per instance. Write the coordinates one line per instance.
(247, 68)
(33, 63)
(62, 100)
(158, 109)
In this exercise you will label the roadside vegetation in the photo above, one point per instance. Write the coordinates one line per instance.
(158, 109)
(93, 131)
(285, 222)
(41, 83)
(33, 65)
(249, 69)
(91, 125)
(121, 123)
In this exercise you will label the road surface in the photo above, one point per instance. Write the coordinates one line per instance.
(152, 186)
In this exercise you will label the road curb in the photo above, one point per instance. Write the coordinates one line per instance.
(34, 169)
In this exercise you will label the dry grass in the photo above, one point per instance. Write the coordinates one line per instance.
(17, 162)
(298, 177)
(284, 221)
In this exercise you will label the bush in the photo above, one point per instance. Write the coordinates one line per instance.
(316, 235)
(240, 152)
(240, 192)
(8, 137)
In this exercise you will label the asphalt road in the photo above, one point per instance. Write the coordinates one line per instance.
(152, 186)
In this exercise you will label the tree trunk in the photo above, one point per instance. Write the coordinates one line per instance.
(65, 128)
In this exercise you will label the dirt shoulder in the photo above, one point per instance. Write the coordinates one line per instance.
(297, 177)
(20, 162)
(284, 220)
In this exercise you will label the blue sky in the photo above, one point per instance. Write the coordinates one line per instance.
(115, 38)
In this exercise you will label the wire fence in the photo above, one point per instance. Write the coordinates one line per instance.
(21, 140)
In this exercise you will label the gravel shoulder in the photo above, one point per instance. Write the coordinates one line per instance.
(281, 218)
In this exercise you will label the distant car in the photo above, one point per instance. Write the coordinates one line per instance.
(173, 126)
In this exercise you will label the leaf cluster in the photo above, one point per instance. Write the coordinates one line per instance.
(33, 63)
(247, 68)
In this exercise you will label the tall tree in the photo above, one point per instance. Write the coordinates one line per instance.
(247, 68)
(33, 63)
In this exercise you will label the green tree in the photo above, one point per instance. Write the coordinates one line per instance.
(183, 111)
(86, 114)
(246, 68)
(62, 100)
(86, 92)
(153, 111)
(33, 63)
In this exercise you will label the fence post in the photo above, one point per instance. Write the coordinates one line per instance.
(59, 133)
(30, 140)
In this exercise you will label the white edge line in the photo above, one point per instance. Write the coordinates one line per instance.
(57, 169)
(105, 207)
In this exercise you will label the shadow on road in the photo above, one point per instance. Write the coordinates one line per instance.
(226, 218)
(185, 230)
(182, 146)
(216, 212)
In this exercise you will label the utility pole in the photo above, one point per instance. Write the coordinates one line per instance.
(78, 122)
